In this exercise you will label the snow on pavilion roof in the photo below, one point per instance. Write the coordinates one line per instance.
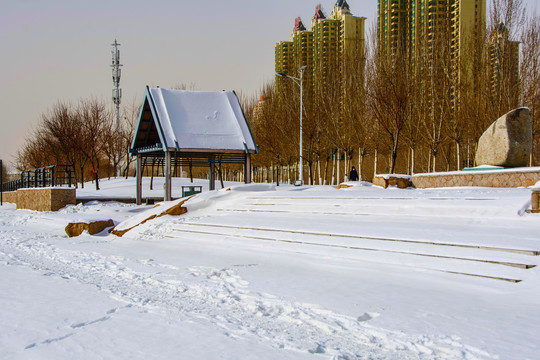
(182, 120)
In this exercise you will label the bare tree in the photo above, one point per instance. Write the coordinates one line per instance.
(507, 19)
(389, 96)
(530, 79)
(54, 141)
(276, 129)
(94, 117)
(127, 132)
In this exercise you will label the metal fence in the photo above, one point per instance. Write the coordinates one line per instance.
(50, 176)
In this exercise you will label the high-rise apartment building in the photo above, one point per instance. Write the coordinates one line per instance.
(284, 56)
(504, 64)
(413, 27)
(395, 23)
(437, 39)
(332, 49)
(293, 54)
(326, 48)
(351, 32)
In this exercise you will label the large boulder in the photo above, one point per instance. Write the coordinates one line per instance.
(508, 141)
(94, 227)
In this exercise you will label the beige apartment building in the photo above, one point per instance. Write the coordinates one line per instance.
(333, 48)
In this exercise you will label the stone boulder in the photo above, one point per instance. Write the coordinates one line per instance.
(508, 141)
(95, 227)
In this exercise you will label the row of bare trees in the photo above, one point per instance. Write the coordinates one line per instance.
(418, 111)
(83, 135)
(405, 113)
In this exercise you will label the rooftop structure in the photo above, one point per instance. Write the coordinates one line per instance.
(194, 128)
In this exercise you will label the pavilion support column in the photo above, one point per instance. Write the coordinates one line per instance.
(211, 175)
(139, 179)
(247, 172)
(168, 187)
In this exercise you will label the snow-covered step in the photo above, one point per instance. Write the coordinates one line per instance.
(383, 243)
(405, 207)
(454, 232)
(473, 263)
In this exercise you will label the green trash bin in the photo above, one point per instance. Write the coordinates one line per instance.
(191, 190)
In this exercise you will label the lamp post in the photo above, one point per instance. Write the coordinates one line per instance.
(299, 82)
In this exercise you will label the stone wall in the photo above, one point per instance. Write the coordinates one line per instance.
(45, 199)
(512, 178)
(401, 181)
(10, 197)
(535, 201)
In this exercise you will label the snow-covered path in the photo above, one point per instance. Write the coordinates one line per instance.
(216, 296)
(220, 292)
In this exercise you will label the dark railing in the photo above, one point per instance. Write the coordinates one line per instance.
(50, 176)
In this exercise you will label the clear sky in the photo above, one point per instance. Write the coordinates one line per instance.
(61, 49)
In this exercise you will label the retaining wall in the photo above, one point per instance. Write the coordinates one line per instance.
(401, 181)
(10, 197)
(512, 178)
(41, 199)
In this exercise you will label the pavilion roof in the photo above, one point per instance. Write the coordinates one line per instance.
(192, 121)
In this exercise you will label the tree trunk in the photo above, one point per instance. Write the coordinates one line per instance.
(394, 152)
(393, 166)
(319, 170)
(334, 170)
(360, 158)
(152, 175)
(220, 176)
(458, 167)
(326, 171)
(346, 167)
(338, 175)
(375, 163)
(412, 161)
(82, 177)
(468, 154)
(310, 165)
(288, 173)
(96, 177)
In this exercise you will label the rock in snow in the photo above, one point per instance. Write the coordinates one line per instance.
(94, 227)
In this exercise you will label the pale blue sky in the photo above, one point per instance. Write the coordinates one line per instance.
(60, 49)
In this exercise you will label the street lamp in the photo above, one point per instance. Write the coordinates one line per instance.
(299, 82)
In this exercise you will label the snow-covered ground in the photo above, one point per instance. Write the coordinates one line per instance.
(264, 272)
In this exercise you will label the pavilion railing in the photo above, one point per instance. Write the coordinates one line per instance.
(50, 176)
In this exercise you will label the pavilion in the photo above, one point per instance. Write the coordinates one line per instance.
(195, 128)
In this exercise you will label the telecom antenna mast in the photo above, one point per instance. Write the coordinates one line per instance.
(116, 92)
